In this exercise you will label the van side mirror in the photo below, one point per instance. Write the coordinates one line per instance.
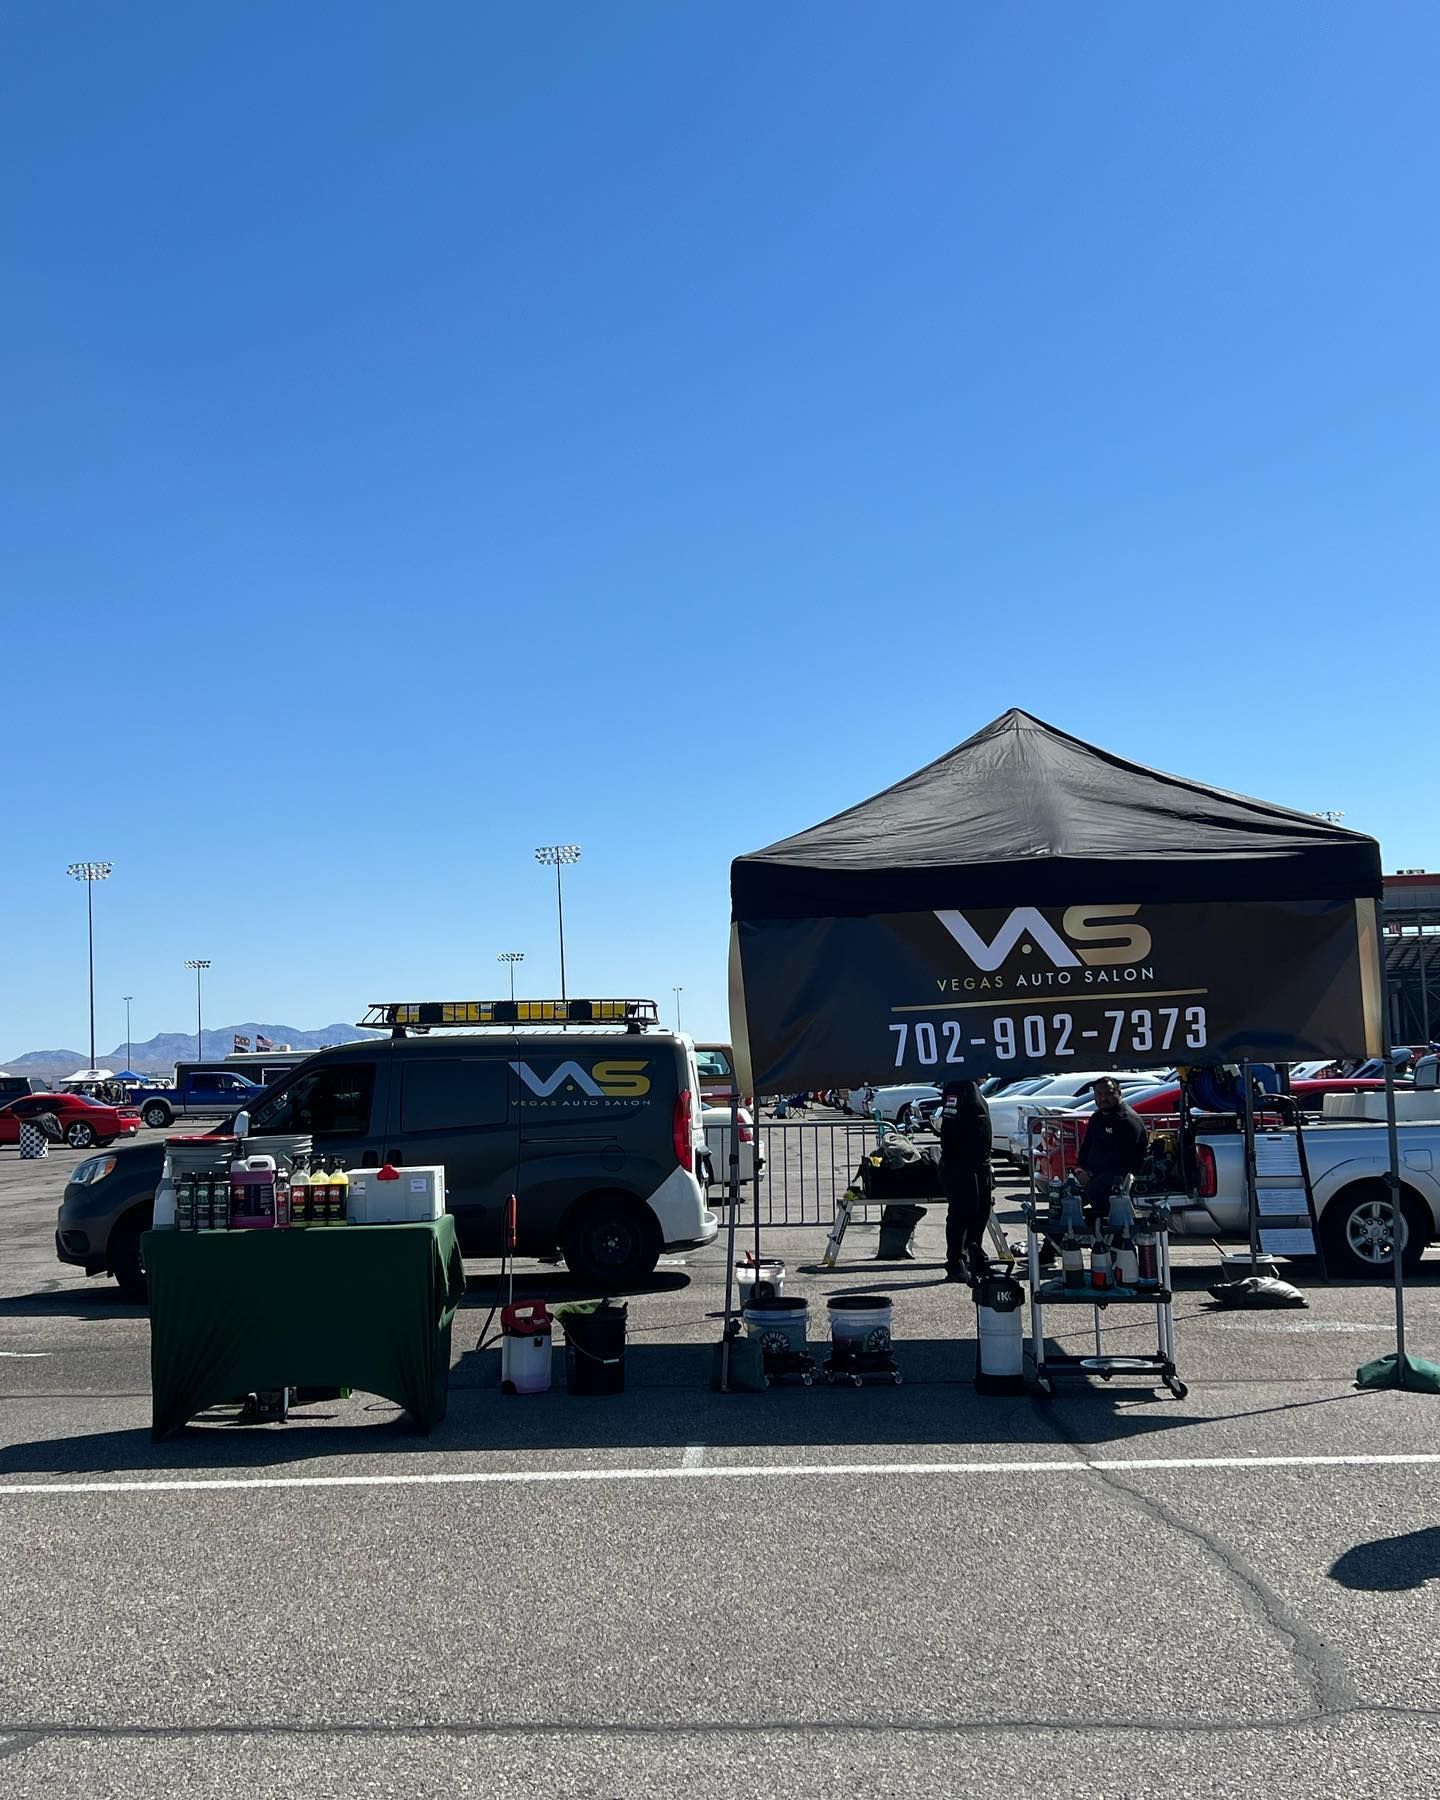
(1427, 1073)
(242, 1125)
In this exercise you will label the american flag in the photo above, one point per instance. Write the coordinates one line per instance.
(241, 1044)
(263, 1043)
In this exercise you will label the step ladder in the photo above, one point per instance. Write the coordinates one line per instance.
(853, 1197)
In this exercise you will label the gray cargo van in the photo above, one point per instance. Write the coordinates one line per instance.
(598, 1134)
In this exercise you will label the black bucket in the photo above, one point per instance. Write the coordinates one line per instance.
(595, 1350)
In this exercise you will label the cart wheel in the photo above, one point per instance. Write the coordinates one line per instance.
(855, 1381)
(807, 1380)
(250, 1409)
(897, 1378)
(1176, 1386)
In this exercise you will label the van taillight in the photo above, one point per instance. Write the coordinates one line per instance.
(684, 1142)
(747, 1136)
(1209, 1185)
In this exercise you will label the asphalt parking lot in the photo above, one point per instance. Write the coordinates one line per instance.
(892, 1592)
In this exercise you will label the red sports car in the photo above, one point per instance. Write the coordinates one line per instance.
(83, 1121)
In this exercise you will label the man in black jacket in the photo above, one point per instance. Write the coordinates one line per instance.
(965, 1141)
(1113, 1147)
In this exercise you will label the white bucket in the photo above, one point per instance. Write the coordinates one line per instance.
(525, 1363)
(789, 1319)
(860, 1323)
(768, 1272)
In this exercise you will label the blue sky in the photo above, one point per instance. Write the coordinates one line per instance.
(430, 432)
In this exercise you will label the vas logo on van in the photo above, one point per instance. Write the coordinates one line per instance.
(1099, 931)
(603, 1080)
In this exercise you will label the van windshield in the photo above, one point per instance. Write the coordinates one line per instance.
(334, 1100)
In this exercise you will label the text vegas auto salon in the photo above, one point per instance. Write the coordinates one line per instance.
(1030, 902)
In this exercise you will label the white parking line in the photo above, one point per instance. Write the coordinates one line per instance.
(694, 1456)
(710, 1472)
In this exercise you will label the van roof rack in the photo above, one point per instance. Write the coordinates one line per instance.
(402, 1016)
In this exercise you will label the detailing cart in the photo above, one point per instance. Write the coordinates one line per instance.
(1052, 1291)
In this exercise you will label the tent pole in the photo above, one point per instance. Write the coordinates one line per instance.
(734, 1190)
(1252, 1197)
(1397, 1216)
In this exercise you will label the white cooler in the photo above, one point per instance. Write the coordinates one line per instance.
(415, 1194)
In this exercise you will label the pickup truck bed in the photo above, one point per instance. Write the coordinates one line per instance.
(1349, 1164)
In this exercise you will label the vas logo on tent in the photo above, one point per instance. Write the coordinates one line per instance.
(1099, 931)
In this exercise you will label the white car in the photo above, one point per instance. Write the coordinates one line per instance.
(889, 1100)
(1008, 1114)
(716, 1121)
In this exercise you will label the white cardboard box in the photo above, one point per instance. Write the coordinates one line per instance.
(417, 1193)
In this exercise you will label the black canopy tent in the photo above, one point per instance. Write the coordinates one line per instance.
(1031, 902)
(1026, 871)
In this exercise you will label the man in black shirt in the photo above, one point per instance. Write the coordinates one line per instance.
(965, 1175)
(1113, 1147)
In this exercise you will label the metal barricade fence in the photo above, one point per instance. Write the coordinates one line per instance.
(806, 1168)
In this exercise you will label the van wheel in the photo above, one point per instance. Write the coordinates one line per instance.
(125, 1261)
(611, 1240)
(1356, 1227)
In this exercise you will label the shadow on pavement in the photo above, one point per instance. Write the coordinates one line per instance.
(99, 1302)
(668, 1405)
(557, 1286)
(1391, 1565)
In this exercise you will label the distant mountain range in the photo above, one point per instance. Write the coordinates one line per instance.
(158, 1055)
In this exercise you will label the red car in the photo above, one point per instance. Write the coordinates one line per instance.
(83, 1121)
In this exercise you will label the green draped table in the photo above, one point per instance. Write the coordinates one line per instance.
(339, 1306)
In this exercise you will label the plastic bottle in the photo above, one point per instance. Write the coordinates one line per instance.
(339, 1207)
(1072, 1261)
(1147, 1254)
(1102, 1265)
(1127, 1262)
(282, 1198)
(319, 1192)
(300, 1191)
(185, 1203)
(236, 1189)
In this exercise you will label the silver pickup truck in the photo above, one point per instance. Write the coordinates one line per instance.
(1349, 1162)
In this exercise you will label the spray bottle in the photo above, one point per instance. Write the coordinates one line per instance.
(1072, 1261)
(1147, 1252)
(300, 1190)
(319, 1190)
(1122, 1224)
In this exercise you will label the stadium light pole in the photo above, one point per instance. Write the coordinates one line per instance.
(558, 856)
(90, 873)
(127, 998)
(511, 957)
(197, 963)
